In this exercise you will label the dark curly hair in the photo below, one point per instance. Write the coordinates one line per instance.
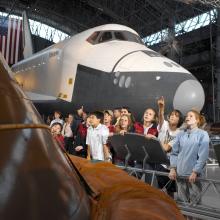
(181, 118)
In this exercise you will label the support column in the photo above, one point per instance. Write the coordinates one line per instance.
(217, 71)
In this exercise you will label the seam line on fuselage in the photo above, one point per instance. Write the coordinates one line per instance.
(124, 57)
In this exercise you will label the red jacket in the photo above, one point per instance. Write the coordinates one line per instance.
(82, 129)
(153, 130)
(60, 140)
(138, 128)
(111, 129)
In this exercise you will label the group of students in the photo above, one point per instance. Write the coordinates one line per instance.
(186, 144)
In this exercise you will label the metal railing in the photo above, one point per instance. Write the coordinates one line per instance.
(201, 204)
(205, 205)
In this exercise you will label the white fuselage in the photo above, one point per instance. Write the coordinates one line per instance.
(51, 73)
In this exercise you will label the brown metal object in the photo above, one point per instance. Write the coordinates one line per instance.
(36, 180)
(39, 181)
(119, 196)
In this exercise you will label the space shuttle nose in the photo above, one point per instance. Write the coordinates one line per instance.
(189, 95)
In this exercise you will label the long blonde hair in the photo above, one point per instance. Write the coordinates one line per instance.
(118, 127)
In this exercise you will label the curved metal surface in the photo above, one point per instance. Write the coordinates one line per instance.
(36, 181)
(116, 195)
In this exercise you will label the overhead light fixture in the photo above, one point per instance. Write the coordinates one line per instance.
(100, 9)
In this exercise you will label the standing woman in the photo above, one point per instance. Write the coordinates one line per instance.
(125, 125)
(168, 130)
(56, 129)
(80, 147)
(150, 123)
(188, 156)
(68, 134)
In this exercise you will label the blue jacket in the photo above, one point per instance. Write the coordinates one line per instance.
(190, 152)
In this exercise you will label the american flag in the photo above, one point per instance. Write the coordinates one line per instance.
(11, 39)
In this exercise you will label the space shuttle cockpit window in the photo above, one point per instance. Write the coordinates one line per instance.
(119, 36)
(106, 36)
(127, 36)
(93, 38)
(132, 37)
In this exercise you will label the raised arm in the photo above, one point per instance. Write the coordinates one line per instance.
(161, 106)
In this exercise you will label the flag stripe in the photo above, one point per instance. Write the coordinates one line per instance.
(17, 40)
(11, 40)
(8, 40)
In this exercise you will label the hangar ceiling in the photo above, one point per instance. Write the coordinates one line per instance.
(72, 16)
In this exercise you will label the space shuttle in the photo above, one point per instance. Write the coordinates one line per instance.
(105, 67)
